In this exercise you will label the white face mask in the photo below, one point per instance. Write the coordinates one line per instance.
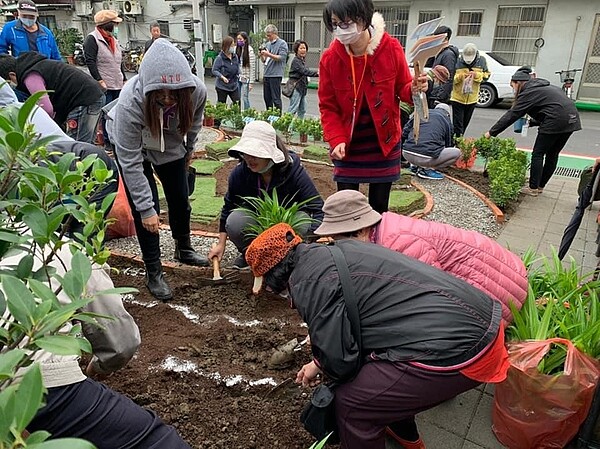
(349, 36)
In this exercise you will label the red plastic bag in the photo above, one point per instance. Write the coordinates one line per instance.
(539, 411)
(124, 226)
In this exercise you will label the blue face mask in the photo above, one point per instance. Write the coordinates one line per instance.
(27, 22)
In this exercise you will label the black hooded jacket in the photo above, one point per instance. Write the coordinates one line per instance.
(292, 183)
(447, 57)
(409, 311)
(548, 105)
(70, 86)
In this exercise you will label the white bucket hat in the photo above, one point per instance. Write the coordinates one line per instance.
(259, 139)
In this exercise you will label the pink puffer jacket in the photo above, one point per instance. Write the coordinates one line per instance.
(468, 255)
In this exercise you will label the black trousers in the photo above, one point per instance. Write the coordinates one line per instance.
(272, 92)
(544, 157)
(92, 411)
(379, 194)
(223, 94)
(173, 177)
(461, 117)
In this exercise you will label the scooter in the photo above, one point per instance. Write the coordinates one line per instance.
(78, 55)
(191, 59)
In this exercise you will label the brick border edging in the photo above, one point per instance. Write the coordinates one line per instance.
(489, 203)
(428, 201)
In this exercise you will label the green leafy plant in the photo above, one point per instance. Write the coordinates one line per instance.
(66, 39)
(267, 114)
(221, 111)
(209, 110)
(560, 303)
(320, 444)
(467, 148)
(301, 126)
(39, 193)
(316, 129)
(507, 174)
(267, 211)
(284, 125)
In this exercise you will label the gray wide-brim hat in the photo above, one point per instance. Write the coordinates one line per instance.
(259, 139)
(347, 211)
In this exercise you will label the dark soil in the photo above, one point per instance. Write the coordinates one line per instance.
(207, 408)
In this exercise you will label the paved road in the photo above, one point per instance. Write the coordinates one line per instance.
(585, 142)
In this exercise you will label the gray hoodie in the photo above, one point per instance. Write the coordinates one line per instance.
(163, 67)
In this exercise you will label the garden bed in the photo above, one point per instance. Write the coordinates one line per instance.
(203, 365)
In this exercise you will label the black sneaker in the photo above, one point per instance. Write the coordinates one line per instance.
(240, 263)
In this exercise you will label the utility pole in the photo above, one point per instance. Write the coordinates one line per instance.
(198, 38)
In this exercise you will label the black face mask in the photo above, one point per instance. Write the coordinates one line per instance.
(108, 27)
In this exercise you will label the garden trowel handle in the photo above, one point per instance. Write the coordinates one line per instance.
(216, 267)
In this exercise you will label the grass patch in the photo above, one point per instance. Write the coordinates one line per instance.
(404, 202)
(206, 207)
(206, 167)
(316, 153)
(218, 150)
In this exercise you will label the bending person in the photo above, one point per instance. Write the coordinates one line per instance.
(468, 255)
(551, 110)
(400, 369)
(153, 127)
(265, 166)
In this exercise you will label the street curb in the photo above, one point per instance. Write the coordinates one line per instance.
(489, 203)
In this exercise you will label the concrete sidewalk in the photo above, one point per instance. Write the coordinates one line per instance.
(466, 421)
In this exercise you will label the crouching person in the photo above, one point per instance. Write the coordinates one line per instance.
(265, 166)
(468, 255)
(426, 336)
(78, 406)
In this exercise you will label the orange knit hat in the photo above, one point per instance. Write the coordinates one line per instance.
(271, 247)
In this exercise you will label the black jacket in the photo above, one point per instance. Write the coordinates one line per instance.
(409, 311)
(299, 71)
(447, 57)
(292, 184)
(70, 86)
(548, 105)
(435, 134)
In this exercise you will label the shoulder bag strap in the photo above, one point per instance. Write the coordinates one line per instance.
(348, 292)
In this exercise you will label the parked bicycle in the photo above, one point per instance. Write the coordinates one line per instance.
(567, 78)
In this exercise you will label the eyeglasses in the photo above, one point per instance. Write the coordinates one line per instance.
(341, 25)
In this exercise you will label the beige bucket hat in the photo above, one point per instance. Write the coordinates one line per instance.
(347, 211)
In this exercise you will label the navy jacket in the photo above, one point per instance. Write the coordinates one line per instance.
(229, 68)
(292, 183)
(408, 310)
(299, 71)
(435, 134)
(447, 57)
(547, 105)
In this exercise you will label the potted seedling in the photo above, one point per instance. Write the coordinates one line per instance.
(316, 130)
(302, 127)
(209, 115)
(284, 125)
(468, 152)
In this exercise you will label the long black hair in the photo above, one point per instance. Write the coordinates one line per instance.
(243, 53)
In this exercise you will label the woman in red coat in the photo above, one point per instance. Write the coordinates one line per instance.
(363, 77)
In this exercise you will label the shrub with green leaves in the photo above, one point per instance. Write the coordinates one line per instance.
(560, 303)
(267, 211)
(507, 175)
(37, 196)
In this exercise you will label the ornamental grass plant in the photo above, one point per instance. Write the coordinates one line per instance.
(560, 303)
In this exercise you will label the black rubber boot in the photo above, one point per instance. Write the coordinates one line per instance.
(184, 253)
(155, 281)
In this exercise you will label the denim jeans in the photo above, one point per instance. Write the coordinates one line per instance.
(83, 120)
(245, 92)
(297, 104)
(110, 95)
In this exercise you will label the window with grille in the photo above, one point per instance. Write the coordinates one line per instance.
(48, 21)
(164, 27)
(426, 16)
(284, 18)
(469, 23)
(396, 21)
(517, 29)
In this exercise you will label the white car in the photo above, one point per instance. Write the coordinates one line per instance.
(497, 87)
